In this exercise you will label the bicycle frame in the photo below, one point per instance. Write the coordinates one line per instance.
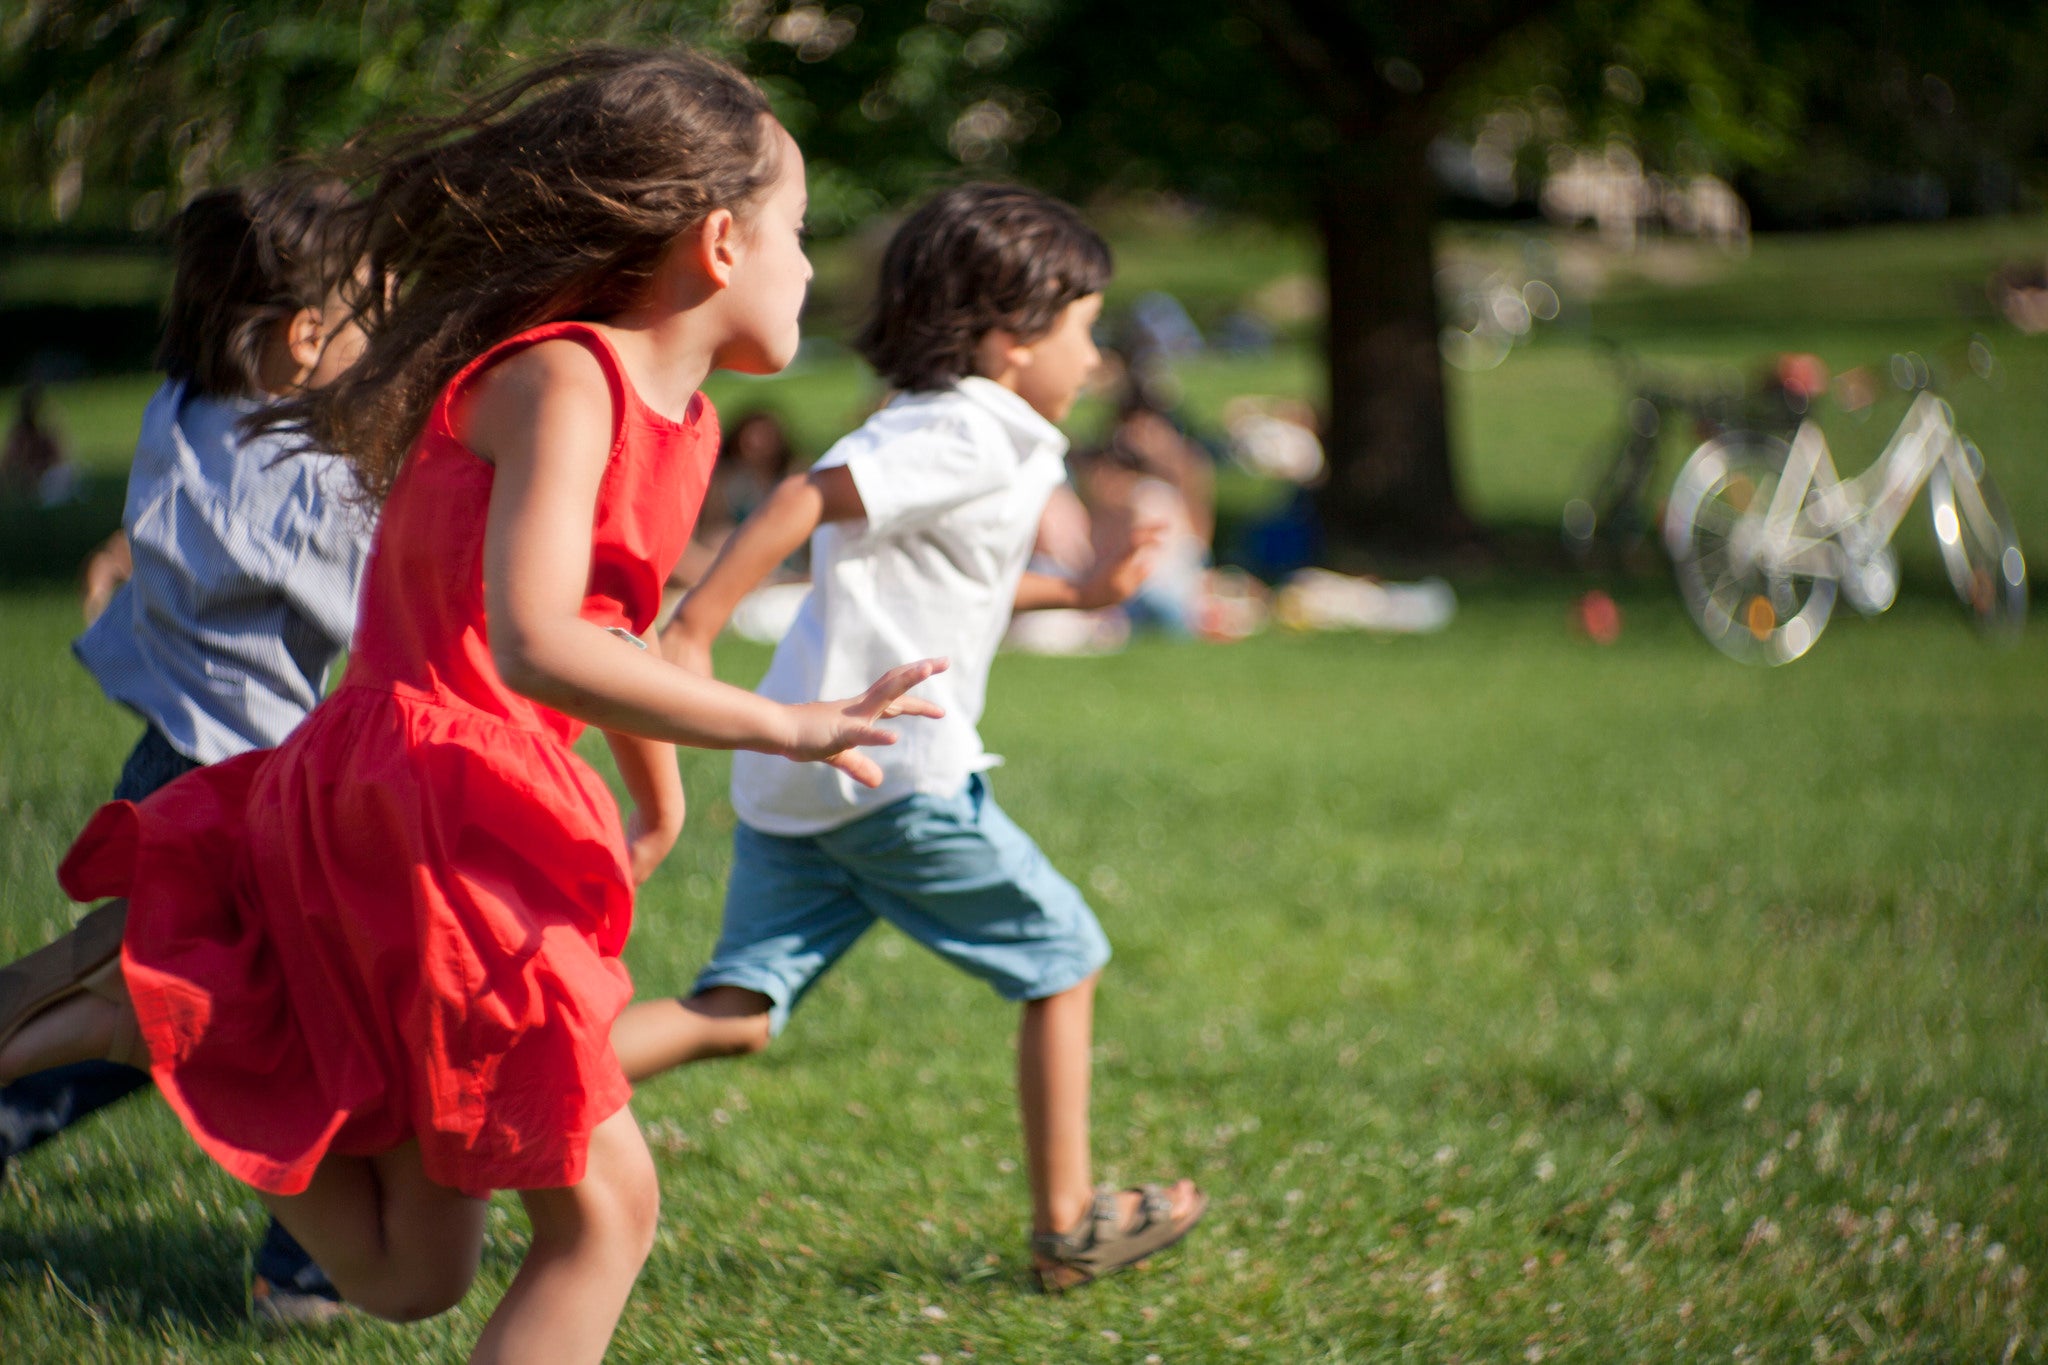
(1813, 506)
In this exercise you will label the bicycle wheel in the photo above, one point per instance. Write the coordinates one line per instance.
(1749, 605)
(1979, 545)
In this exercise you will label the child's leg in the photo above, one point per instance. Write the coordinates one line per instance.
(1055, 1046)
(589, 1242)
(1054, 1053)
(395, 1243)
(958, 875)
(725, 1021)
(43, 1104)
(790, 913)
(81, 1028)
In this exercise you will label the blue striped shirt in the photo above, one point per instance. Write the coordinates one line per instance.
(248, 560)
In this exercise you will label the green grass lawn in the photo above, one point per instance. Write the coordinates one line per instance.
(1515, 998)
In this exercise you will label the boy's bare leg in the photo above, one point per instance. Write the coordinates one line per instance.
(1055, 1047)
(393, 1242)
(589, 1242)
(655, 1035)
(1054, 1055)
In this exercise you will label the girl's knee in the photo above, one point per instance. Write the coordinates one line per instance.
(636, 1195)
(620, 1197)
(408, 1293)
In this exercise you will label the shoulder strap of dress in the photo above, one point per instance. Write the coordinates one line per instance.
(589, 337)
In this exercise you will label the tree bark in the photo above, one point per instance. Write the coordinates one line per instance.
(1391, 484)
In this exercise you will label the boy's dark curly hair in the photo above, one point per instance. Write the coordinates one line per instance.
(972, 259)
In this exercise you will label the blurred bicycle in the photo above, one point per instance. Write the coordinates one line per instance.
(1613, 509)
(1764, 534)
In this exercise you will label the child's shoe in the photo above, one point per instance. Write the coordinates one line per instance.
(1101, 1243)
(288, 1289)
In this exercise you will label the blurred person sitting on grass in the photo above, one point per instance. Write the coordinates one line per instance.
(920, 524)
(216, 612)
(33, 465)
(1149, 478)
(753, 457)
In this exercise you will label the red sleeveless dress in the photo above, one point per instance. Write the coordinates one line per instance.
(405, 921)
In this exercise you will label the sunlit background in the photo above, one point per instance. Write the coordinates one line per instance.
(1546, 931)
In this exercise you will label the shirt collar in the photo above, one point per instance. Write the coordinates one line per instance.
(1031, 431)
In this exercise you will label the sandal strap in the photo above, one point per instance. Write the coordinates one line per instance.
(1103, 1241)
(1102, 1219)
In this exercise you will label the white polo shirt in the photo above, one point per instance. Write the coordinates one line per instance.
(954, 483)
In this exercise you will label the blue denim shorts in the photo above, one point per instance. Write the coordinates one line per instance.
(954, 873)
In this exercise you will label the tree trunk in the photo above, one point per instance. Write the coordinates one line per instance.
(1391, 485)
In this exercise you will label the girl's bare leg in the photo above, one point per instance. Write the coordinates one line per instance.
(393, 1242)
(654, 1035)
(82, 1028)
(589, 1242)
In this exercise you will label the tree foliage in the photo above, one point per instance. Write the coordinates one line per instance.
(110, 115)
(1316, 111)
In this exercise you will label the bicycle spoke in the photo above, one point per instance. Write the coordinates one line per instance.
(1717, 517)
(1728, 579)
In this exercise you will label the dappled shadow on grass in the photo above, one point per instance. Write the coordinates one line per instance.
(139, 1274)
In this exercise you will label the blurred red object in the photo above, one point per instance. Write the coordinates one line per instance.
(1803, 373)
(1598, 617)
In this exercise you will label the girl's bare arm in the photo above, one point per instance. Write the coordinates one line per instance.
(544, 419)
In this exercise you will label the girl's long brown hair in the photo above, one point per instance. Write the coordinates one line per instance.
(552, 196)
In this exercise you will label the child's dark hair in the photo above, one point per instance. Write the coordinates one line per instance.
(552, 196)
(246, 258)
(972, 259)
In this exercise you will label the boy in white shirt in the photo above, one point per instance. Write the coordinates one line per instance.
(920, 524)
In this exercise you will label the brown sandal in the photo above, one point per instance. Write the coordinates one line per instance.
(1101, 1243)
(85, 961)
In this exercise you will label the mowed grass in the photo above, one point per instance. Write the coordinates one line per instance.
(1509, 994)
(1515, 998)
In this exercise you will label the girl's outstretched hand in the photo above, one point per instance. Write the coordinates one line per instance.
(832, 731)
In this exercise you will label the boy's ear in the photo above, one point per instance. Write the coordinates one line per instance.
(999, 353)
(304, 337)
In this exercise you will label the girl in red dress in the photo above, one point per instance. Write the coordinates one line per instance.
(375, 970)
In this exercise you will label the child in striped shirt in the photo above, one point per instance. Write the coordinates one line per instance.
(247, 555)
